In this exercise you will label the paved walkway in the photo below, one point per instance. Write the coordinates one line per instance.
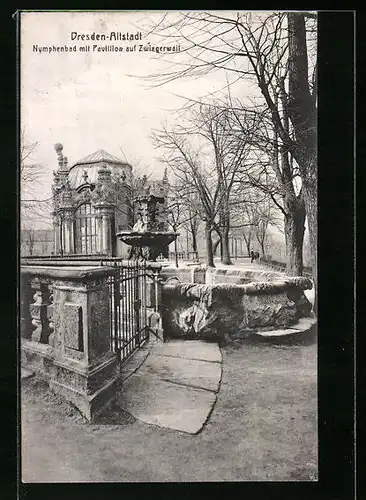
(173, 385)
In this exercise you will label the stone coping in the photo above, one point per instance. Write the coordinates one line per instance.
(216, 275)
(254, 288)
(68, 273)
(86, 263)
(146, 233)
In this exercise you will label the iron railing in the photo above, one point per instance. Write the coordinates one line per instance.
(134, 296)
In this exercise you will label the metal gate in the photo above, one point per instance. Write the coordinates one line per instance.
(133, 294)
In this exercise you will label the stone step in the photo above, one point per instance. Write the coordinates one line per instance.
(176, 385)
(190, 349)
(189, 372)
(304, 325)
(166, 404)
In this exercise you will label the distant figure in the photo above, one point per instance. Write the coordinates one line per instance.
(254, 256)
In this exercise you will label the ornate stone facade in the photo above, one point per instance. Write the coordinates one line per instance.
(92, 201)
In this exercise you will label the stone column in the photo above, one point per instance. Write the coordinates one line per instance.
(105, 212)
(99, 234)
(68, 231)
(56, 233)
(105, 234)
(71, 232)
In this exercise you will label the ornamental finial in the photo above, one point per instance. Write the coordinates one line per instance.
(58, 148)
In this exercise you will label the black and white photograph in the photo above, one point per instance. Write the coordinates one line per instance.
(168, 246)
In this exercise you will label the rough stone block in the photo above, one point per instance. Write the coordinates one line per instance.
(269, 310)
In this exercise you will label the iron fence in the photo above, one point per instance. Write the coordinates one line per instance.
(134, 297)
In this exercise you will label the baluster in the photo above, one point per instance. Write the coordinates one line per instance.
(47, 315)
(35, 310)
(26, 299)
(41, 312)
(50, 311)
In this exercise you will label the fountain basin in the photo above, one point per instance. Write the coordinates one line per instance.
(147, 245)
(147, 238)
(220, 311)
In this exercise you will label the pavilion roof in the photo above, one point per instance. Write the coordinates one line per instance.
(92, 163)
(100, 156)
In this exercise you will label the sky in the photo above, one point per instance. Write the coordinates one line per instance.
(88, 100)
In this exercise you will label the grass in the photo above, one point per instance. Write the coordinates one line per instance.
(263, 427)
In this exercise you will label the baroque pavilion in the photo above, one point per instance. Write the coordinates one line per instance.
(92, 201)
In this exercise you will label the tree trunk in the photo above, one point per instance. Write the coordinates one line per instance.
(193, 228)
(310, 199)
(262, 248)
(225, 230)
(194, 241)
(302, 112)
(225, 249)
(216, 245)
(248, 240)
(209, 246)
(176, 253)
(294, 235)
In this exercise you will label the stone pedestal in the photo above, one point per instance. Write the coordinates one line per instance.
(83, 369)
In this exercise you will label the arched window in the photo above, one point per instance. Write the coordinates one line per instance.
(86, 229)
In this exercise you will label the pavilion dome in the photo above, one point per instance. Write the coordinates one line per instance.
(92, 163)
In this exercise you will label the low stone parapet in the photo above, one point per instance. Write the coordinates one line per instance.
(210, 275)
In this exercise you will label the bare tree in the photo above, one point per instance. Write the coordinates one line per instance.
(31, 172)
(28, 239)
(274, 172)
(275, 51)
(175, 213)
(205, 158)
(192, 222)
(191, 174)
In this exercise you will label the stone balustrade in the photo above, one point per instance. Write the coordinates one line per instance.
(65, 333)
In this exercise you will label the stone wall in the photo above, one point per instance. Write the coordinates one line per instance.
(221, 312)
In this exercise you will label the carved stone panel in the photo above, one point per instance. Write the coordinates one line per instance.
(100, 326)
(73, 330)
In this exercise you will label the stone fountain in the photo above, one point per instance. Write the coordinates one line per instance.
(148, 239)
